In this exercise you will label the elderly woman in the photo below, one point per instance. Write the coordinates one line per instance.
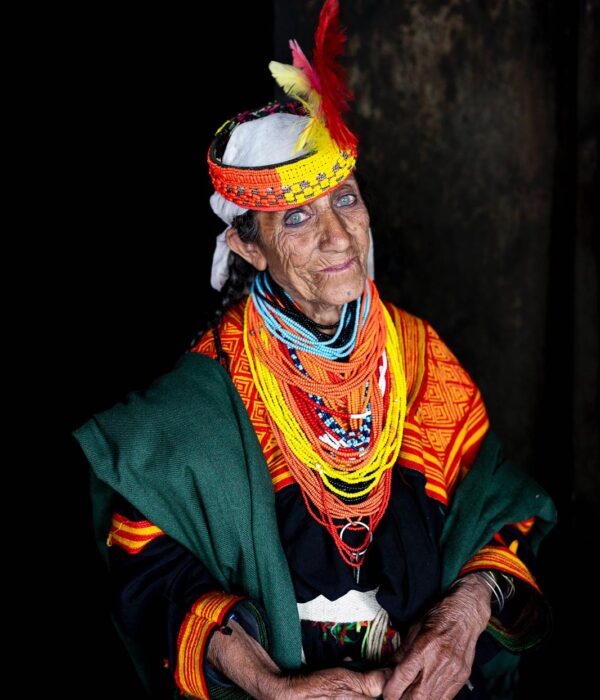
(324, 512)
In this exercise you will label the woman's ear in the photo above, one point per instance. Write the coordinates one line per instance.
(249, 251)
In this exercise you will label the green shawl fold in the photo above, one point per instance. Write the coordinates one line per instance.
(184, 453)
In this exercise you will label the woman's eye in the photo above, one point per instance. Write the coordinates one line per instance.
(346, 200)
(295, 218)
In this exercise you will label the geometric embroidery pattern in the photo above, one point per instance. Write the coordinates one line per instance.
(448, 422)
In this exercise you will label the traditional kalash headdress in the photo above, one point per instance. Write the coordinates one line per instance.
(287, 153)
(335, 403)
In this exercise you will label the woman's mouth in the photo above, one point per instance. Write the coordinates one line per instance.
(340, 268)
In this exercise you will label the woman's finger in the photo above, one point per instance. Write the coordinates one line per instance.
(405, 674)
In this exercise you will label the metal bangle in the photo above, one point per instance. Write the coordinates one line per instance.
(490, 577)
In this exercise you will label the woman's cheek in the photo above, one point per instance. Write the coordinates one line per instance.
(299, 251)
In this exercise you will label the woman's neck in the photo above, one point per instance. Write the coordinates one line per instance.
(321, 314)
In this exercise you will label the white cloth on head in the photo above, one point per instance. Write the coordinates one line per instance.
(266, 141)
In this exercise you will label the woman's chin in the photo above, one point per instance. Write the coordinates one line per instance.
(340, 291)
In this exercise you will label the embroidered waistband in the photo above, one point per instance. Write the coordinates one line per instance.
(351, 607)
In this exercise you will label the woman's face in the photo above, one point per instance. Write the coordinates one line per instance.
(318, 251)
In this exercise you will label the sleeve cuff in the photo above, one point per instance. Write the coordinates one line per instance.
(207, 614)
(131, 535)
(526, 619)
(194, 674)
(503, 559)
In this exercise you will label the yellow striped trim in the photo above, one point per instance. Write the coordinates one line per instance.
(206, 614)
(415, 455)
(525, 526)
(213, 606)
(437, 492)
(131, 535)
(472, 430)
(503, 559)
(281, 477)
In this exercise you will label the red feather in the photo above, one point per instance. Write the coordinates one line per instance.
(300, 61)
(330, 38)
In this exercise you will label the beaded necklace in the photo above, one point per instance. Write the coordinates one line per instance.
(338, 424)
(285, 320)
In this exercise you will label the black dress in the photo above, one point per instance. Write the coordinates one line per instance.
(154, 589)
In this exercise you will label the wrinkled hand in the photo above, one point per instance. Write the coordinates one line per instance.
(244, 661)
(435, 659)
(339, 683)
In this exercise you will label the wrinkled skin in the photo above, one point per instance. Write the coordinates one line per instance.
(296, 245)
(338, 683)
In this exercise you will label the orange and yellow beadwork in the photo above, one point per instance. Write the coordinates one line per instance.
(282, 185)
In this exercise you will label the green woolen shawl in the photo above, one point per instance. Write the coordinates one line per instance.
(184, 453)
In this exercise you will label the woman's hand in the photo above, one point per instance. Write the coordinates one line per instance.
(436, 657)
(340, 683)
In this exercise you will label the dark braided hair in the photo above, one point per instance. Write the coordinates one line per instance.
(240, 273)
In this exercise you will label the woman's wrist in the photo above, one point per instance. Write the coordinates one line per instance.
(477, 594)
(241, 659)
(501, 585)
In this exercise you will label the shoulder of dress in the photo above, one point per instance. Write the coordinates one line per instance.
(427, 354)
(412, 334)
(441, 358)
(402, 314)
(447, 418)
(230, 326)
(410, 326)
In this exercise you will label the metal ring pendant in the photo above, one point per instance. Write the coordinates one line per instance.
(357, 522)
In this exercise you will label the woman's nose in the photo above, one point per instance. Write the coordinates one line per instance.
(335, 235)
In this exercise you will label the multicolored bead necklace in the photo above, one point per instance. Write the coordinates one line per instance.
(285, 320)
(337, 412)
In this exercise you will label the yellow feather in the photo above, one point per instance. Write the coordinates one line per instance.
(295, 84)
(291, 79)
(315, 136)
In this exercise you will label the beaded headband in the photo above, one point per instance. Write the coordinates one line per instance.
(282, 185)
(318, 92)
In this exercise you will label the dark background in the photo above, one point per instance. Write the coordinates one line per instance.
(478, 128)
